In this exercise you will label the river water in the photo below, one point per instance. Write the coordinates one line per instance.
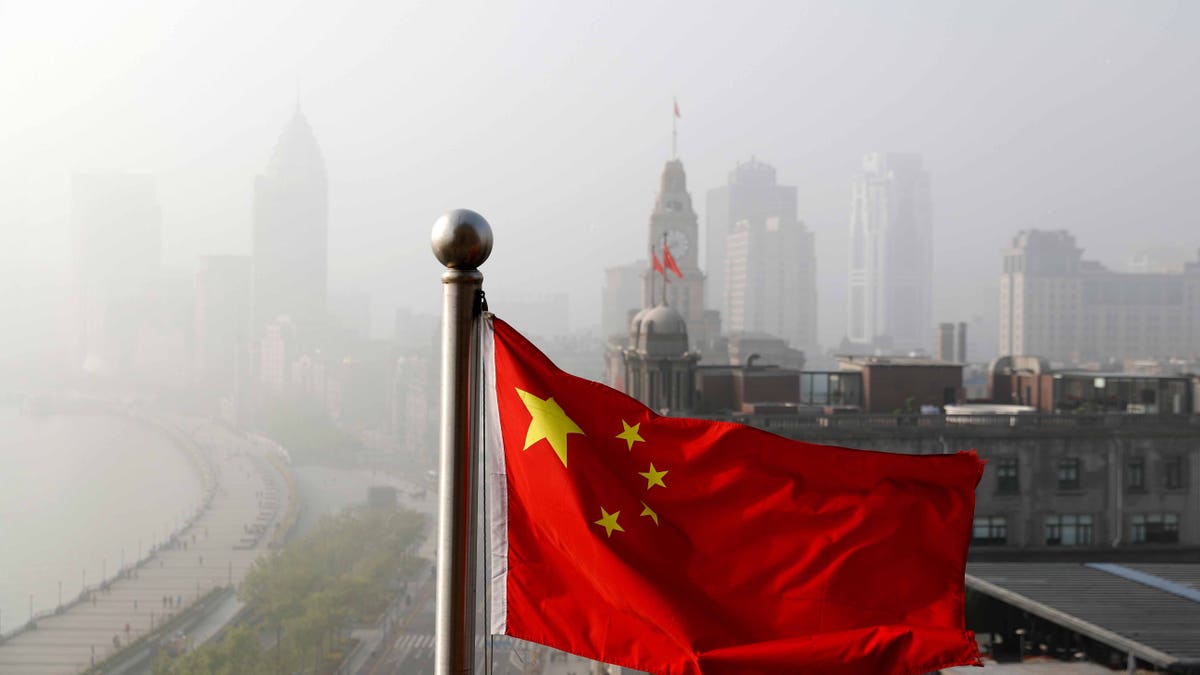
(79, 493)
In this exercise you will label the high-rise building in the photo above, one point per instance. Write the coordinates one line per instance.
(891, 255)
(750, 196)
(1056, 305)
(117, 233)
(221, 352)
(291, 233)
(674, 221)
(771, 281)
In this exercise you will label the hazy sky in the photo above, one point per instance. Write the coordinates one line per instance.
(553, 120)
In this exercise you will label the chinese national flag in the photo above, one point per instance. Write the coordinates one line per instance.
(658, 265)
(670, 261)
(683, 546)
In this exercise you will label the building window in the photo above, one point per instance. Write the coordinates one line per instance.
(1068, 474)
(1069, 530)
(1135, 475)
(990, 530)
(1173, 473)
(1007, 482)
(1156, 528)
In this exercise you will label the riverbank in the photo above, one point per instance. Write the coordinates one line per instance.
(245, 503)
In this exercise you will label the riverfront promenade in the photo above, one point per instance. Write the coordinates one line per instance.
(217, 549)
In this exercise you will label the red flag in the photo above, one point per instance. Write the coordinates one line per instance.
(682, 546)
(670, 261)
(676, 108)
(657, 265)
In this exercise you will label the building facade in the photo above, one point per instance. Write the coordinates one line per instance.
(890, 306)
(752, 195)
(658, 367)
(1056, 305)
(291, 233)
(771, 281)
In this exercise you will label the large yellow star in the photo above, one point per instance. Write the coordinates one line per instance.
(609, 521)
(630, 434)
(549, 422)
(647, 511)
(653, 477)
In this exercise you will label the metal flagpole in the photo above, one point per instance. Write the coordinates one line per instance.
(674, 121)
(653, 255)
(462, 241)
(664, 270)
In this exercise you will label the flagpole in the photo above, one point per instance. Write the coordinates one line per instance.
(664, 272)
(650, 300)
(462, 241)
(674, 137)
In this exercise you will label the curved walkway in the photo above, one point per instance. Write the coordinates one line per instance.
(217, 549)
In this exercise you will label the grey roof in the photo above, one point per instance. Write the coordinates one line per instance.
(1158, 626)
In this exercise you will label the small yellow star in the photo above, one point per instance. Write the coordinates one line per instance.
(647, 511)
(549, 422)
(653, 477)
(609, 521)
(630, 434)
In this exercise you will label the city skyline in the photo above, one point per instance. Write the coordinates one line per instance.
(1009, 139)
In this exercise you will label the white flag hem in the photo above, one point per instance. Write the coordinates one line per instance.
(497, 483)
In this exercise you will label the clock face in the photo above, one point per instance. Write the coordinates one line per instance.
(677, 241)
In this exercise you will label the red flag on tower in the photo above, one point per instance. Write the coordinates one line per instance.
(676, 102)
(670, 261)
(683, 546)
(658, 267)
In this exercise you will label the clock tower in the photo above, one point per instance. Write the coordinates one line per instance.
(674, 218)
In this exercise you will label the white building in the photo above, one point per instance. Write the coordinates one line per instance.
(1056, 305)
(891, 255)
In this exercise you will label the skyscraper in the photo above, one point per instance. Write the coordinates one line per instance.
(674, 218)
(291, 233)
(751, 196)
(891, 255)
(771, 281)
(117, 233)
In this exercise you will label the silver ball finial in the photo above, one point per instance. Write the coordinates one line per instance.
(461, 239)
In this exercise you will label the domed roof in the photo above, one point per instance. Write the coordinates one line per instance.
(297, 151)
(665, 320)
(659, 331)
(635, 324)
